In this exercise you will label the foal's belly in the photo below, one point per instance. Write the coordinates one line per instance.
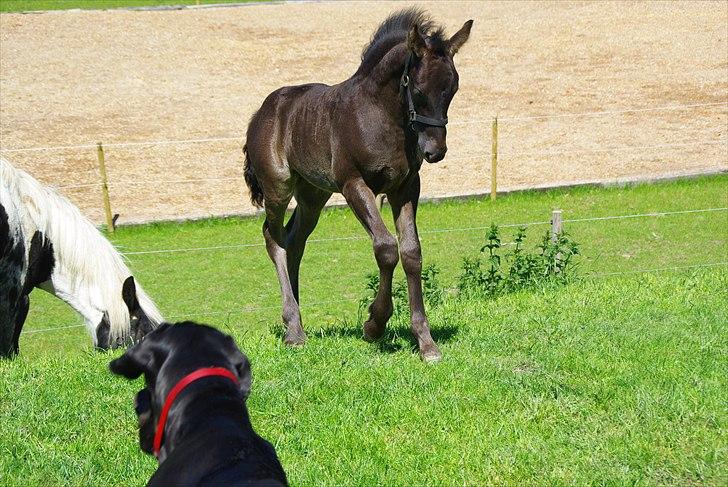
(385, 175)
(319, 174)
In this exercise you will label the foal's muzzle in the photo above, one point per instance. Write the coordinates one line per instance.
(433, 149)
(436, 155)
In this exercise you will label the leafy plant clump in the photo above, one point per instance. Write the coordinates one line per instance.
(489, 274)
(486, 274)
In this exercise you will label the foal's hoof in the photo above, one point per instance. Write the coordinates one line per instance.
(373, 332)
(294, 338)
(431, 354)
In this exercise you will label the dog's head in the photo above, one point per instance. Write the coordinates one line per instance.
(165, 356)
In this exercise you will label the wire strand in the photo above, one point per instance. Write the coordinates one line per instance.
(615, 149)
(354, 299)
(123, 144)
(432, 231)
(464, 122)
(594, 114)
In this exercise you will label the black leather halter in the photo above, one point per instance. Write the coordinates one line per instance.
(406, 87)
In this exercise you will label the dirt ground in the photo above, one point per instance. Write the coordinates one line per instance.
(78, 77)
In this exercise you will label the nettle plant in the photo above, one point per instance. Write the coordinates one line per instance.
(488, 274)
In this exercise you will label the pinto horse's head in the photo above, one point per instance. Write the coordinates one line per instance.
(431, 81)
(140, 324)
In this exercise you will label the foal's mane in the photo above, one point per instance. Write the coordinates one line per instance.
(393, 31)
(82, 255)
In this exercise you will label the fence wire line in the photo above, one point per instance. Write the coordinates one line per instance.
(354, 299)
(615, 149)
(464, 122)
(112, 184)
(124, 144)
(658, 269)
(591, 114)
(644, 215)
(242, 309)
(432, 231)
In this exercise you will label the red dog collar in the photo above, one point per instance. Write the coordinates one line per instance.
(184, 382)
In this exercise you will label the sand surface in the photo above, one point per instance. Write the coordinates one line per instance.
(78, 77)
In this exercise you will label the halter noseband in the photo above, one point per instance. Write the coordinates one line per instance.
(406, 87)
(178, 387)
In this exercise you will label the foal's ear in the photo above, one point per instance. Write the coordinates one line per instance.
(128, 294)
(415, 42)
(460, 37)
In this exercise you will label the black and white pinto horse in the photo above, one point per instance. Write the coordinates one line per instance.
(46, 242)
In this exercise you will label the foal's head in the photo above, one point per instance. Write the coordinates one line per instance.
(433, 81)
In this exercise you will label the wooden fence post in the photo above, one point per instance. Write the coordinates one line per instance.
(555, 224)
(494, 161)
(105, 189)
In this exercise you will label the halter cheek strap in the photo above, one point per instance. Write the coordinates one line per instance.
(179, 387)
(406, 87)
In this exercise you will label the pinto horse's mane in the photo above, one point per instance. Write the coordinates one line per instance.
(393, 31)
(91, 264)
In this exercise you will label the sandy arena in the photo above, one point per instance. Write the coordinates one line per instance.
(78, 77)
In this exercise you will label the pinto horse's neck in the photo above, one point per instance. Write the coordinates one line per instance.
(83, 299)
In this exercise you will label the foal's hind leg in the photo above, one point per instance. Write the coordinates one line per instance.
(310, 201)
(275, 242)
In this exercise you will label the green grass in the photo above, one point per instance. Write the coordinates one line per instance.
(33, 5)
(616, 379)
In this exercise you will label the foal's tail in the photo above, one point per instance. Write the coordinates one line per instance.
(256, 192)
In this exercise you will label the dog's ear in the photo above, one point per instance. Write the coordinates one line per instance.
(245, 376)
(136, 360)
(242, 368)
(143, 408)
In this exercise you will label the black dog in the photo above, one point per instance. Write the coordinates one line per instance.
(201, 379)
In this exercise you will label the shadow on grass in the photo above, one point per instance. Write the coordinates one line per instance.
(395, 339)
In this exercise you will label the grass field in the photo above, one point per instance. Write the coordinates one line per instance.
(614, 379)
(33, 5)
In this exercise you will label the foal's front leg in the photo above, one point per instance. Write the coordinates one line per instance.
(404, 209)
(361, 200)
